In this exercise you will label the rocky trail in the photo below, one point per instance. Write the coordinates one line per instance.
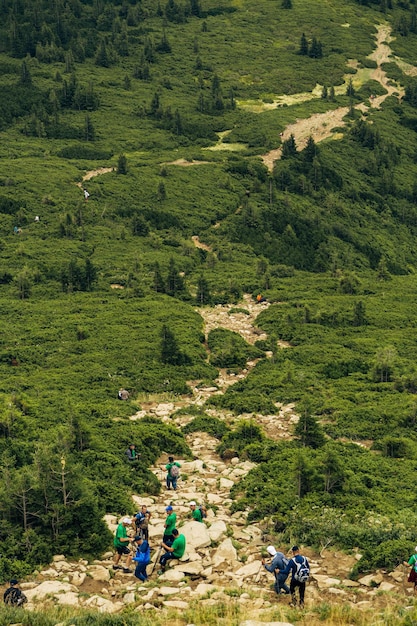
(222, 564)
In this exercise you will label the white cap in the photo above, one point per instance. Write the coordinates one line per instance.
(271, 550)
(192, 503)
(415, 549)
(126, 520)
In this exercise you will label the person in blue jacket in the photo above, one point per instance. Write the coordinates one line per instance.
(142, 558)
(279, 562)
(300, 570)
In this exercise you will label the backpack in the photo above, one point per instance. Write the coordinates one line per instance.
(203, 511)
(14, 597)
(303, 571)
(174, 472)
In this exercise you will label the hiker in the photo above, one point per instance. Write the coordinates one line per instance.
(196, 513)
(121, 543)
(13, 596)
(142, 522)
(37, 218)
(300, 569)
(86, 194)
(176, 551)
(412, 576)
(173, 472)
(131, 453)
(123, 394)
(142, 558)
(279, 562)
(169, 526)
(260, 298)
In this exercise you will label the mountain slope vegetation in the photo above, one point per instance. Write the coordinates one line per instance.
(163, 111)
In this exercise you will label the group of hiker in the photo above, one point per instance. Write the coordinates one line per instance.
(281, 567)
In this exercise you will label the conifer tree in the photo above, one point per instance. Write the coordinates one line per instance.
(203, 291)
(303, 46)
(102, 56)
(309, 431)
(286, 4)
(122, 164)
(289, 148)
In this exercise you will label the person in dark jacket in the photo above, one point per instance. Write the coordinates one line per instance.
(300, 570)
(13, 596)
(142, 558)
(279, 562)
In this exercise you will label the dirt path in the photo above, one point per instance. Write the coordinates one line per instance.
(92, 173)
(321, 126)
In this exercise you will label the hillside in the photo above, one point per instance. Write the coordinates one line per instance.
(226, 150)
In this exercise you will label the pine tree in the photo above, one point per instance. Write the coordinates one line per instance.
(350, 90)
(122, 164)
(289, 148)
(203, 291)
(158, 281)
(332, 96)
(324, 93)
(175, 282)
(303, 46)
(286, 4)
(359, 314)
(309, 431)
(170, 352)
(102, 57)
(25, 75)
(311, 150)
(89, 130)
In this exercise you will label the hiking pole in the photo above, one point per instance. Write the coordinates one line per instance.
(156, 560)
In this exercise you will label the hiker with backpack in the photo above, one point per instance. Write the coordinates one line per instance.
(169, 526)
(173, 472)
(279, 562)
(142, 522)
(13, 596)
(412, 576)
(300, 569)
(142, 558)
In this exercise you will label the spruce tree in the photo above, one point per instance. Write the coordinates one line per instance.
(203, 291)
(122, 164)
(309, 432)
(303, 46)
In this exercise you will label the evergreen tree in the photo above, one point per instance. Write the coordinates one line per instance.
(122, 164)
(140, 228)
(203, 291)
(102, 56)
(311, 150)
(332, 96)
(25, 75)
(324, 93)
(158, 281)
(316, 50)
(303, 46)
(162, 194)
(309, 432)
(89, 130)
(359, 314)
(286, 4)
(289, 148)
(175, 283)
(170, 352)
(350, 90)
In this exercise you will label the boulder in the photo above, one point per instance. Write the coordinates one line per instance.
(225, 552)
(99, 573)
(176, 604)
(58, 557)
(49, 587)
(385, 586)
(196, 534)
(129, 597)
(370, 580)
(70, 598)
(191, 568)
(49, 573)
(168, 591)
(225, 483)
(250, 569)
(78, 578)
(217, 530)
(203, 588)
(172, 575)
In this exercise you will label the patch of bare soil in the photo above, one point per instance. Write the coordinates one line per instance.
(92, 173)
(200, 244)
(186, 163)
(321, 126)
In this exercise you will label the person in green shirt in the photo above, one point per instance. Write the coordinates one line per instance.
(412, 576)
(169, 525)
(196, 513)
(173, 473)
(121, 543)
(176, 551)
